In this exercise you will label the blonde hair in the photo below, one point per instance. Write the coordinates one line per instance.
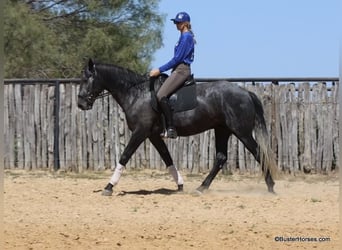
(188, 25)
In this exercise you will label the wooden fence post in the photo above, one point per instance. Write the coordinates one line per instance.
(56, 163)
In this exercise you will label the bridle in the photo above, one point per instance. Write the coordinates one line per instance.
(90, 97)
(103, 94)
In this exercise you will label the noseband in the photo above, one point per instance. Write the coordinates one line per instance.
(91, 97)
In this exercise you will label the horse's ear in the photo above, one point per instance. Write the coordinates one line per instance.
(91, 65)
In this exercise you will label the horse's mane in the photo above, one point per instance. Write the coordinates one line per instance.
(113, 73)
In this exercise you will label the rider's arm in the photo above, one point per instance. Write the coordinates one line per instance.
(182, 49)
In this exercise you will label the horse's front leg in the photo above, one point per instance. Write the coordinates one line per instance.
(138, 136)
(164, 153)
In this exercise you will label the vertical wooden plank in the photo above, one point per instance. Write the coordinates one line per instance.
(234, 154)
(50, 122)
(336, 145)
(19, 123)
(230, 155)
(204, 150)
(273, 119)
(287, 124)
(293, 129)
(313, 126)
(44, 125)
(306, 133)
(110, 156)
(32, 137)
(100, 128)
(181, 162)
(6, 136)
(282, 156)
(328, 120)
(320, 126)
(212, 149)
(184, 159)
(190, 156)
(64, 127)
(83, 125)
(301, 138)
(94, 136)
(268, 104)
(151, 157)
(115, 134)
(74, 130)
(9, 138)
(37, 127)
(79, 127)
(336, 107)
(107, 133)
(277, 128)
(241, 157)
(27, 102)
(196, 152)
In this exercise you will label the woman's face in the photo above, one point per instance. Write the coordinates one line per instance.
(180, 26)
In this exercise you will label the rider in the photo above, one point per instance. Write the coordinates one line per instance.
(180, 65)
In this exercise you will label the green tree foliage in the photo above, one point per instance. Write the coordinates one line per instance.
(46, 38)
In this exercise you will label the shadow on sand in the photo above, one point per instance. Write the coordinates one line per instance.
(163, 191)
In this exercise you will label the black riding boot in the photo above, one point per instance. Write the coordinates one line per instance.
(167, 111)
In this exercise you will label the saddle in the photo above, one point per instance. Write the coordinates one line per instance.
(183, 99)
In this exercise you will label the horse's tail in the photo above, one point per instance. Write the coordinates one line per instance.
(267, 158)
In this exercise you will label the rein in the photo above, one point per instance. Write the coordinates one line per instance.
(103, 94)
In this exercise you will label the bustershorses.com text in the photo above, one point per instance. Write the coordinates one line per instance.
(301, 239)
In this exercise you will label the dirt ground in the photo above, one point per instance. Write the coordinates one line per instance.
(44, 210)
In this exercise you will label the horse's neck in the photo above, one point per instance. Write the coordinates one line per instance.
(123, 85)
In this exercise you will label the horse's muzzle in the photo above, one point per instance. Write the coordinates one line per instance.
(84, 103)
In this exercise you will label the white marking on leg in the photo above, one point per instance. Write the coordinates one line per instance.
(176, 175)
(117, 174)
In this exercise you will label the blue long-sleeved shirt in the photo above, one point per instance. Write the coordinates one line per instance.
(183, 53)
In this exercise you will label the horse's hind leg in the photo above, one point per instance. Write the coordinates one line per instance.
(162, 149)
(221, 142)
(252, 146)
(219, 161)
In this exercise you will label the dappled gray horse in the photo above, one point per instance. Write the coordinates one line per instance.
(222, 106)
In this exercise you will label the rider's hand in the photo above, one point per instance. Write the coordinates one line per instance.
(154, 72)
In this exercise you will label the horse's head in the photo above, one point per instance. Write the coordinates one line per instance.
(90, 87)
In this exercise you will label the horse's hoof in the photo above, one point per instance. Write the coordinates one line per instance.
(180, 188)
(271, 190)
(107, 192)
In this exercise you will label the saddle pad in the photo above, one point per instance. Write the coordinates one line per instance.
(184, 99)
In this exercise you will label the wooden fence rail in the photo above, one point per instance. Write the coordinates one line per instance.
(301, 118)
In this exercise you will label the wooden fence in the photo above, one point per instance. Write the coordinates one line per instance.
(301, 118)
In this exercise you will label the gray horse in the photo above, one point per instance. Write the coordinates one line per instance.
(222, 106)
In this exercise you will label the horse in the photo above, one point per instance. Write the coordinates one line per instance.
(223, 106)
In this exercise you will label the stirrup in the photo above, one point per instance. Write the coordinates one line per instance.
(169, 133)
